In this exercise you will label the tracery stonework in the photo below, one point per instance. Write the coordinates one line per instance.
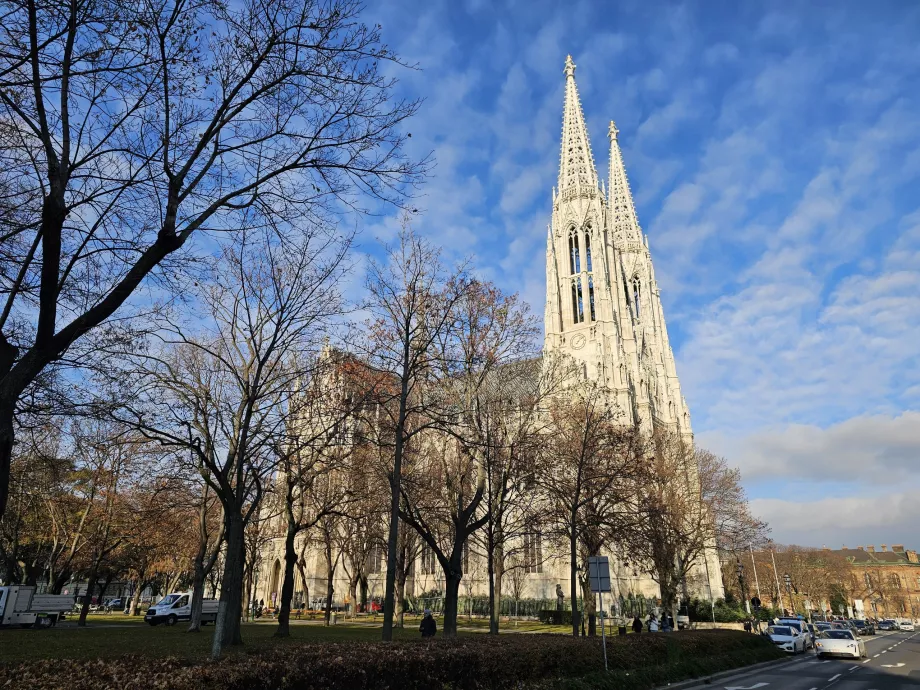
(600, 283)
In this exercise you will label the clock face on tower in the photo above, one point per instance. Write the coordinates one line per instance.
(578, 341)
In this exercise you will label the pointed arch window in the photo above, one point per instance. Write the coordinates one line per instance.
(574, 253)
(637, 296)
(588, 248)
(578, 304)
(591, 297)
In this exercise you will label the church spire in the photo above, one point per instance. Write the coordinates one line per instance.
(576, 165)
(620, 201)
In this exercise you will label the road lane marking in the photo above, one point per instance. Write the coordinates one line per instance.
(831, 680)
(753, 687)
(867, 661)
(875, 657)
(853, 668)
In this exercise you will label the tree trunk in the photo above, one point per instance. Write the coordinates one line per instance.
(87, 599)
(573, 578)
(395, 478)
(494, 565)
(136, 599)
(590, 607)
(330, 576)
(227, 626)
(451, 598)
(353, 596)
(197, 594)
(60, 581)
(401, 601)
(7, 434)
(287, 586)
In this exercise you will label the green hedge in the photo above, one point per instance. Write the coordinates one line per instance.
(467, 663)
(554, 617)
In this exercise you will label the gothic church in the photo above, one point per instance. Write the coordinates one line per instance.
(603, 309)
(602, 302)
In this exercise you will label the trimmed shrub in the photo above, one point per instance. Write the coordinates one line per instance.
(467, 663)
(554, 617)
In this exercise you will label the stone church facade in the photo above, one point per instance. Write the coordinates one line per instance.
(603, 309)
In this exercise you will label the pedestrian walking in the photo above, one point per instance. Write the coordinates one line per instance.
(747, 625)
(652, 623)
(428, 627)
(637, 625)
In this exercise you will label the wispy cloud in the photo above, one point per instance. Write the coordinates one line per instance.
(774, 158)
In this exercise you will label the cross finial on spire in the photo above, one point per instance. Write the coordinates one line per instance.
(569, 66)
(612, 131)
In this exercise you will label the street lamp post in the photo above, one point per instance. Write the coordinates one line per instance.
(788, 582)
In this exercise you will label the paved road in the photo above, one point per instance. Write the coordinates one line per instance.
(893, 664)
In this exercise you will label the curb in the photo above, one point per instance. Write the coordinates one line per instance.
(739, 672)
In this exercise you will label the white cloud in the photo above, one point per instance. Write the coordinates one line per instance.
(865, 450)
(834, 521)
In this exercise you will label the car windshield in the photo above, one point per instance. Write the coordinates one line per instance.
(779, 630)
(168, 600)
(837, 635)
(823, 626)
(859, 624)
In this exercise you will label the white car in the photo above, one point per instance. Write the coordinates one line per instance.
(840, 643)
(787, 638)
(800, 627)
(906, 625)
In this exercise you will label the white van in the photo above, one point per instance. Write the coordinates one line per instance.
(178, 607)
(20, 605)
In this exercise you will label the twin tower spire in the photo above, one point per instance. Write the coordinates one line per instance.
(577, 172)
(603, 305)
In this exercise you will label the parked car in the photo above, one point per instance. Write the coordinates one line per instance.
(905, 624)
(840, 643)
(864, 627)
(115, 605)
(787, 638)
(800, 627)
(887, 624)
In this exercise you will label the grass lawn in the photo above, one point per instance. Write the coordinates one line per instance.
(112, 636)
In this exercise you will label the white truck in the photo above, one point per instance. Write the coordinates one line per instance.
(178, 607)
(20, 605)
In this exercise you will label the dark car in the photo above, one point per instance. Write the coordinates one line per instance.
(864, 627)
(887, 625)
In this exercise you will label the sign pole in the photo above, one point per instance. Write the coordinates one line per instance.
(776, 575)
(756, 581)
(600, 596)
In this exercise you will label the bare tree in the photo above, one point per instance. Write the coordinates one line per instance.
(509, 426)
(590, 468)
(412, 301)
(445, 501)
(127, 129)
(677, 528)
(735, 528)
(210, 538)
(225, 395)
(313, 465)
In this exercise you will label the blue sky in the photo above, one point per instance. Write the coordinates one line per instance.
(774, 154)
